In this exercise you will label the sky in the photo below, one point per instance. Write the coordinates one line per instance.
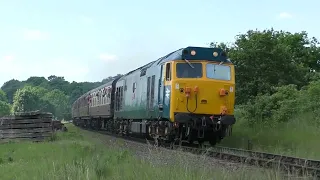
(91, 40)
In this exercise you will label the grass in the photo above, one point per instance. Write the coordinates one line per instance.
(299, 137)
(79, 154)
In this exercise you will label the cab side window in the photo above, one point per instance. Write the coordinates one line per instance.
(168, 72)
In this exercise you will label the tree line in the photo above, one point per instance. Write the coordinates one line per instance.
(53, 94)
(272, 68)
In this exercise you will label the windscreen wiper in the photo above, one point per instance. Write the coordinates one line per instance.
(189, 63)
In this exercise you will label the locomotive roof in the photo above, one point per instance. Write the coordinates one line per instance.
(202, 53)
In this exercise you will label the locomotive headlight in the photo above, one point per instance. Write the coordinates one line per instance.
(215, 54)
(193, 52)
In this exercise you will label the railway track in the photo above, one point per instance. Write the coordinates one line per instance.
(293, 165)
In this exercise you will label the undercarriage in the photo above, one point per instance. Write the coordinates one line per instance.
(186, 128)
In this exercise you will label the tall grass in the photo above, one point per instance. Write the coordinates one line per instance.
(296, 138)
(286, 122)
(79, 154)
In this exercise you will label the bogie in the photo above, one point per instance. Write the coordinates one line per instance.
(160, 131)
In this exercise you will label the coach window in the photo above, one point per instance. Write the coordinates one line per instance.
(108, 95)
(168, 72)
(102, 98)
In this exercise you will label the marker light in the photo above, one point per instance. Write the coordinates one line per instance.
(215, 54)
(187, 91)
(196, 89)
(223, 92)
(193, 52)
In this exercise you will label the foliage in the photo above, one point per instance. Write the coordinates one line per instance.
(53, 94)
(10, 87)
(60, 102)
(29, 99)
(277, 92)
(284, 104)
(5, 108)
(269, 58)
(285, 122)
(3, 96)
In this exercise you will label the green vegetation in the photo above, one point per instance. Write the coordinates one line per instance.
(286, 122)
(277, 92)
(79, 154)
(4, 105)
(53, 94)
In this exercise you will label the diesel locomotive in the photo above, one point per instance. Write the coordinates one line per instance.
(186, 96)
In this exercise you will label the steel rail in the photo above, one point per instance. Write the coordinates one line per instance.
(259, 159)
(275, 157)
(294, 165)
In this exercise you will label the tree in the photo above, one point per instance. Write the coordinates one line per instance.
(57, 82)
(28, 99)
(36, 81)
(3, 96)
(267, 59)
(60, 102)
(10, 87)
(5, 108)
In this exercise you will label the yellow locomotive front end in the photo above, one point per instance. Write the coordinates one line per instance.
(202, 95)
(203, 88)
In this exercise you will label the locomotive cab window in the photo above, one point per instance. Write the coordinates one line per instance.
(186, 70)
(218, 72)
(168, 72)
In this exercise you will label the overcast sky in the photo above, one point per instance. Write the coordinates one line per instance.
(91, 40)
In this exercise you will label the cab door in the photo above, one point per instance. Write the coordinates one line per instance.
(166, 89)
(160, 89)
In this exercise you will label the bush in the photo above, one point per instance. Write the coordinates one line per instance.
(285, 122)
(272, 109)
(283, 105)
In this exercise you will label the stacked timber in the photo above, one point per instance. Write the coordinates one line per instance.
(31, 126)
